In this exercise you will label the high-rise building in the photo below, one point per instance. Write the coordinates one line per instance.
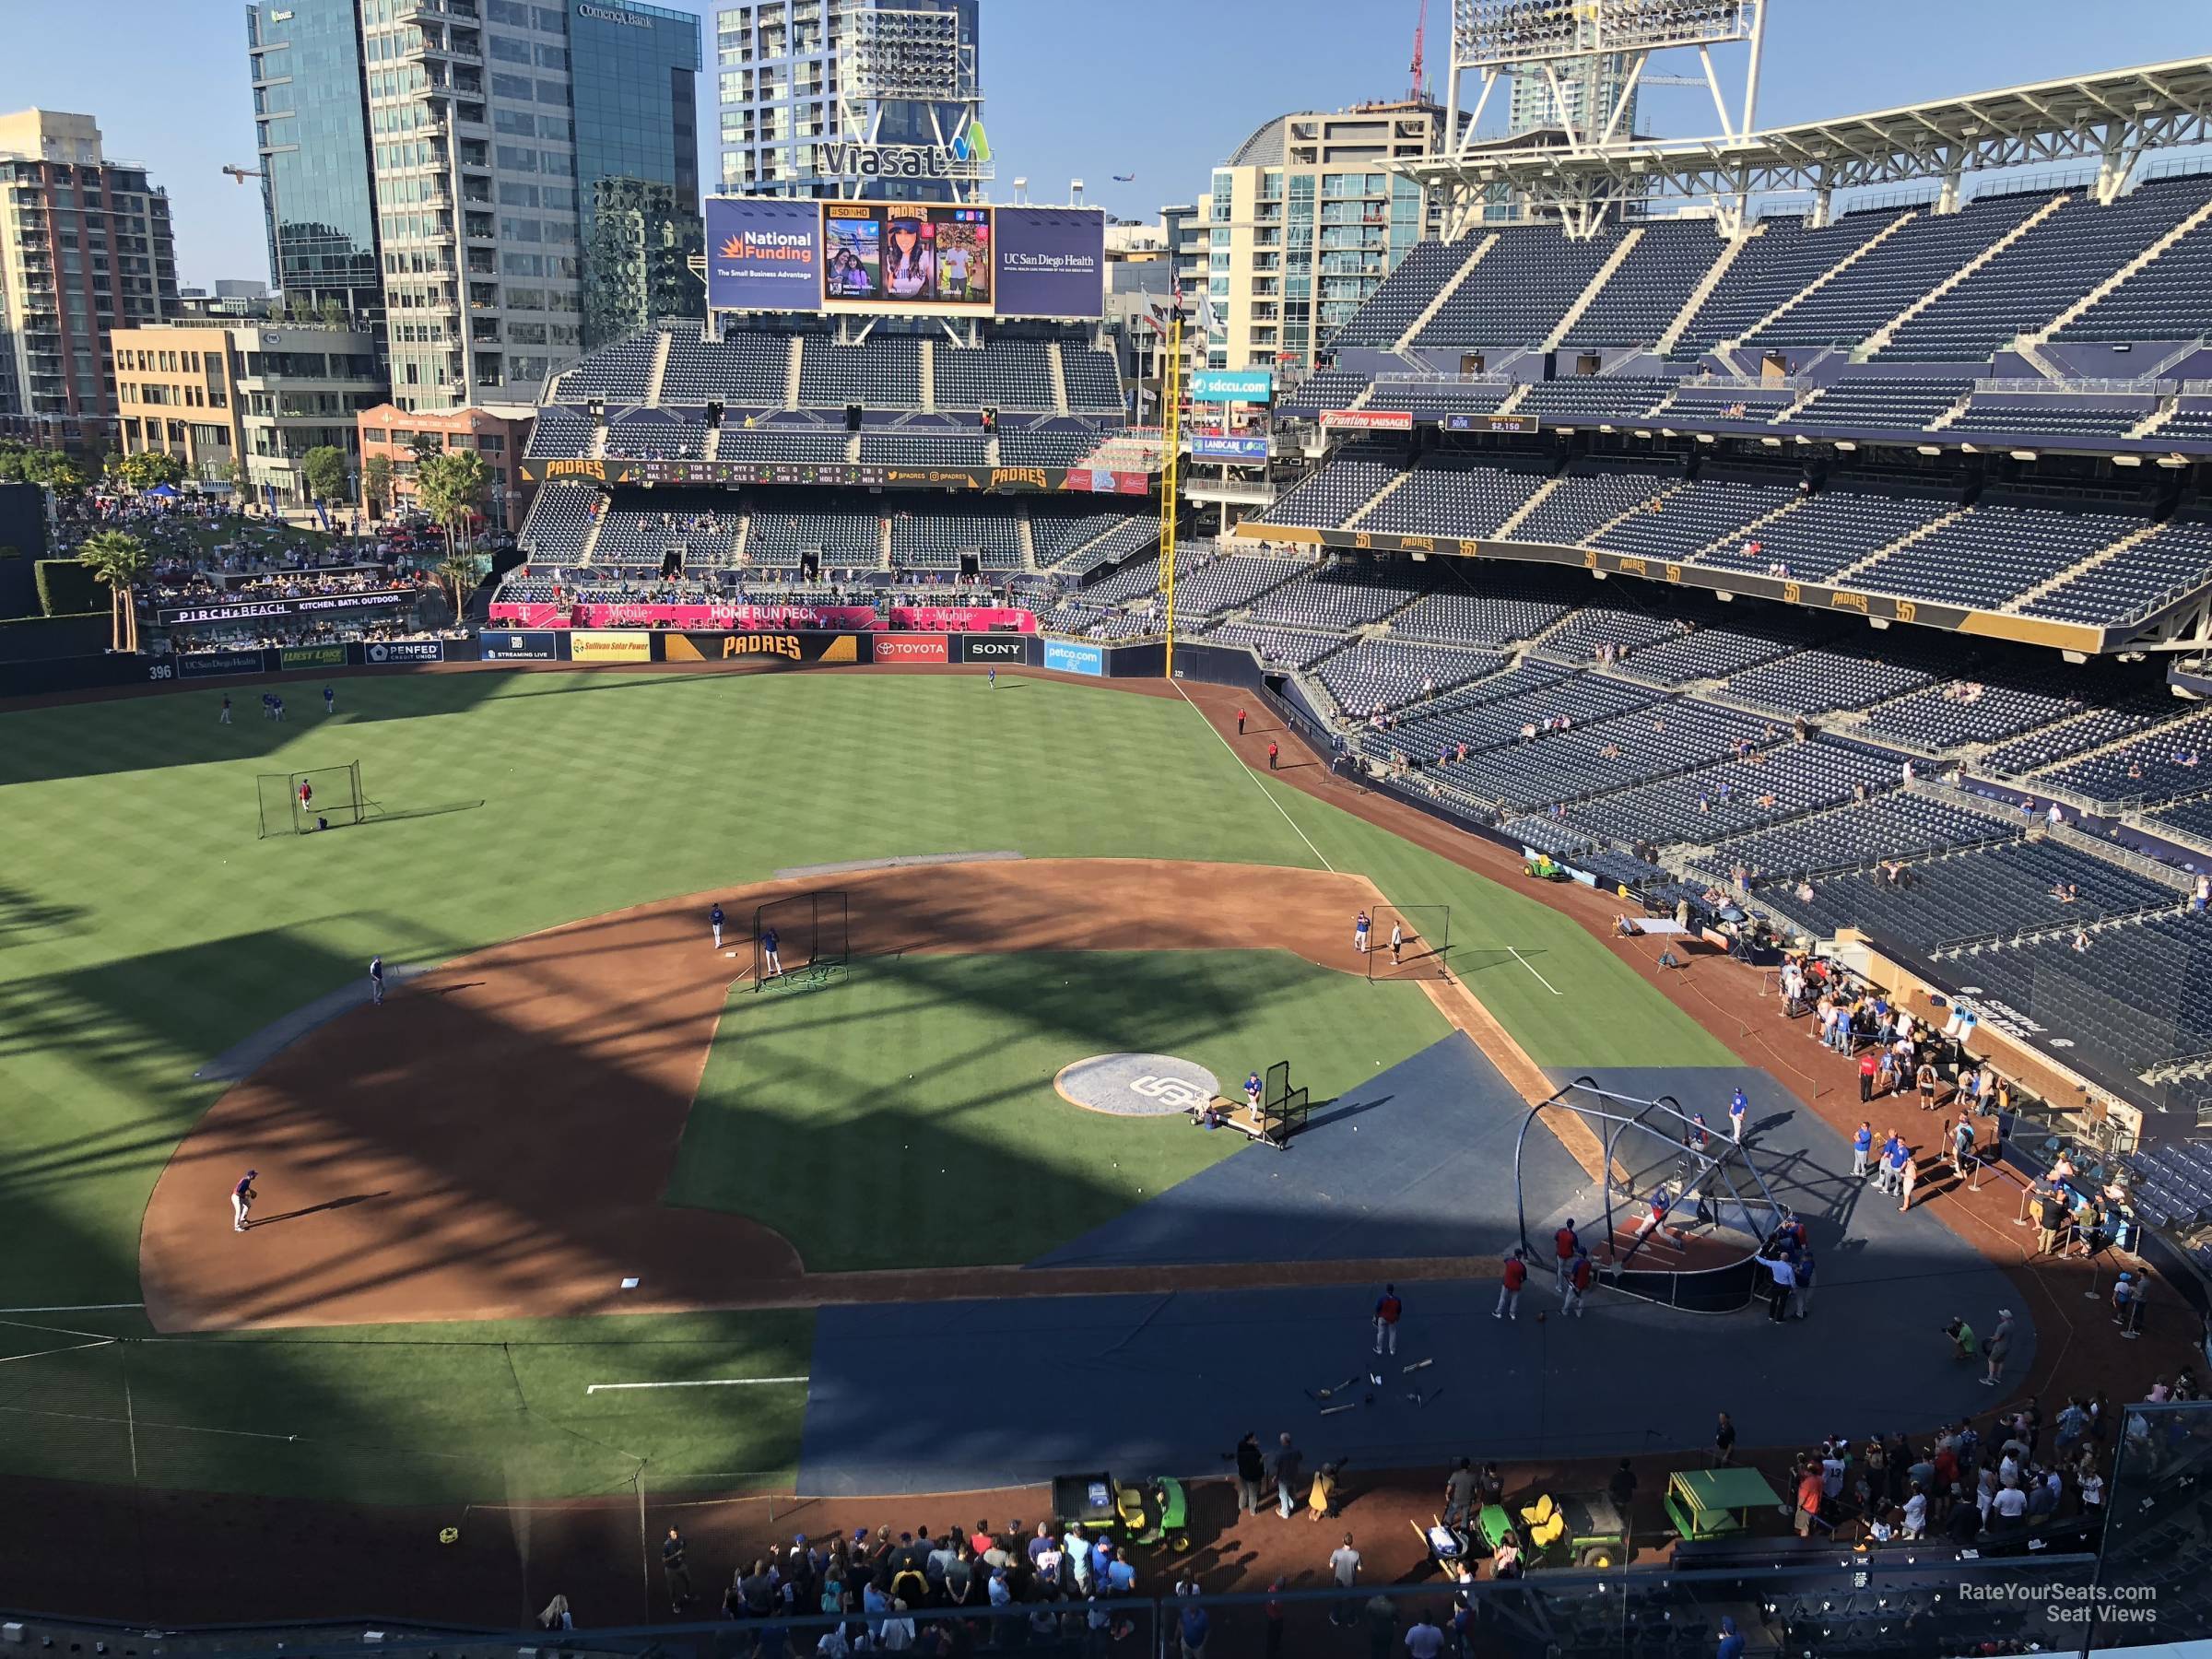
(1302, 223)
(485, 125)
(1589, 90)
(637, 265)
(310, 113)
(794, 75)
(85, 248)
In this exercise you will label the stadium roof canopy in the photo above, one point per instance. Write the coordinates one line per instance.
(2112, 117)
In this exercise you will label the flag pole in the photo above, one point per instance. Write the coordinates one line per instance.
(1171, 433)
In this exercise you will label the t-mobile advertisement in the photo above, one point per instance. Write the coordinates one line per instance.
(763, 253)
(1051, 261)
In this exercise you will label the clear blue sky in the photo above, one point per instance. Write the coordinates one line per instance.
(1086, 89)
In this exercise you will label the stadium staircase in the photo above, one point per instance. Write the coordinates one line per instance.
(791, 372)
(1887, 330)
(1952, 414)
(1024, 531)
(713, 449)
(744, 535)
(1623, 248)
(1054, 361)
(598, 445)
(883, 544)
(1827, 276)
(2168, 407)
(1396, 480)
(659, 372)
(1542, 494)
(1840, 577)
(852, 449)
(928, 359)
(2103, 556)
(1445, 292)
(2042, 335)
(1730, 248)
(587, 550)
(991, 450)
(1515, 398)
(1790, 412)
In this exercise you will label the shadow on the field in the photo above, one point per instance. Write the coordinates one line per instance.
(380, 814)
(315, 1209)
(22, 914)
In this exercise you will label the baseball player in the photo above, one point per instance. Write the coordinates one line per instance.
(1359, 927)
(224, 719)
(1387, 1309)
(329, 700)
(1577, 1283)
(770, 941)
(306, 797)
(1240, 723)
(1251, 1092)
(276, 707)
(376, 981)
(991, 674)
(1738, 1109)
(1397, 943)
(242, 1199)
(1272, 753)
(714, 921)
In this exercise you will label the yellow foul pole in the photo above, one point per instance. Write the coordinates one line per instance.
(1170, 434)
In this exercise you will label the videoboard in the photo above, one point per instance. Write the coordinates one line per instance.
(911, 258)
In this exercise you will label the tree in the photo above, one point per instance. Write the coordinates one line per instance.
(428, 446)
(450, 486)
(56, 471)
(121, 561)
(324, 468)
(334, 313)
(144, 469)
(376, 483)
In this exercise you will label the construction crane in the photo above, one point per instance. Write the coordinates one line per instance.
(1421, 31)
(242, 173)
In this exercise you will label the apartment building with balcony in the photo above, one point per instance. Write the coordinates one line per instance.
(85, 249)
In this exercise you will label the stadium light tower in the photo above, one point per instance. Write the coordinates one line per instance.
(1492, 39)
(917, 60)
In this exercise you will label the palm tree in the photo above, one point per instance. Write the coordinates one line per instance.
(121, 561)
(448, 487)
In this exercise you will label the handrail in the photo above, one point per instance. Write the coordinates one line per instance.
(2040, 387)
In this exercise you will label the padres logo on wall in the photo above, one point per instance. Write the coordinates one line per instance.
(1137, 1085)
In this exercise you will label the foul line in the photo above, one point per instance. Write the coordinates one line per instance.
(1532, 968)
(705, 1382)
(76, 1308)
(1255, 776)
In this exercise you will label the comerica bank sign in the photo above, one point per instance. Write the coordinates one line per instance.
(612, 13)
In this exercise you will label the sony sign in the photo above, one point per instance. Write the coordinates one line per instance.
(887, 160)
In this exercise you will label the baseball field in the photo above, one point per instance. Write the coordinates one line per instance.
(430, 1308)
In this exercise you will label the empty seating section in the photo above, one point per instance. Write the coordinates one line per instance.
(1327, 389)
(1132, 534)
(1226, 584)
(801, 444)
(1735, 796)
(1586, 499)
(1603, 624)
(2175, 561)
(2171, 297)
(843, 540)
(1341, 596)
(653, 434)
(1497, 616)
(1056, 533)
(2192, 817)
(619, 372)
(2050, 267)
(882, 372)
(1491, 713)
(1135, 581)
(2138, 712)
(922, 446)
(557, 432)
(1448, 496)
(705, 536)
(2191, 421)
(1686, 519)
(1094, 385)
(1728, 406)
(1882, 405)
(1649, 287)
(1985, 557)
(1374, 675)
(1821, 536)
(2046, 416)
(559, 520)
(1714, 652)
(1821, 681)
(1782, 259)
(2100, 992)
(1283, 647)
(1625, 751)
(936, 540)
(1404, 295)
(1896, 825)
(743, 371)
(1340, 488)
(1593, 397)
(1048, 443)
(1976, 893)
(2160, 765)
(1926, 250)
(1435, 399)
(1003, 375)
(1961, 712)
(1518, 290)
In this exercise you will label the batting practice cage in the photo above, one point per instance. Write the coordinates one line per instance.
(808, 938)
(1719, 1210)
(294, 803)
(1424, 935)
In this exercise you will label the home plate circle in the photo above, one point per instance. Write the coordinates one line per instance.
(1137, 1085)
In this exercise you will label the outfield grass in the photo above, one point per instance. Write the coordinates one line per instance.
(143, 929)
(908, 1118)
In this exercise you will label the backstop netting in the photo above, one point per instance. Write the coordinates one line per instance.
(327, 797)
(1423, 936)
(1721, 1209)
(800, 942)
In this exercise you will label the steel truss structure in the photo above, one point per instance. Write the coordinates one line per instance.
(1581, 174)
